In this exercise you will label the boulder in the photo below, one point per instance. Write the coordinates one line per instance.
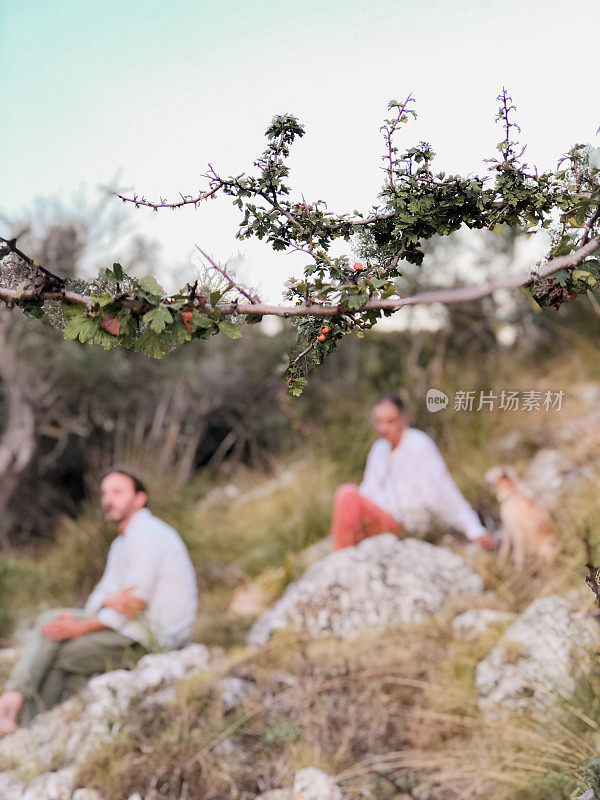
(51, 786)
(111, 692)
(539, 656)
(11, 786)
(380, 582)
(66, 734)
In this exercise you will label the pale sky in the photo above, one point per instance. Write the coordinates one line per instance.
(157, 90)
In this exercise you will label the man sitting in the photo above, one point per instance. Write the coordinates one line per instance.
(406, 483)
(146, 598)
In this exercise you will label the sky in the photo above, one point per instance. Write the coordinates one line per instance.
(152, 92)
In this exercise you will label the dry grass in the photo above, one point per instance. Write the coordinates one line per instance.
(390, 716)
(379, 713)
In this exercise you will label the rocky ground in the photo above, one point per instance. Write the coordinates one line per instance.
(381, 581)
(534, 663)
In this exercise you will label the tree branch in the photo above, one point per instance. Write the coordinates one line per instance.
(186, 200)
(444, 296)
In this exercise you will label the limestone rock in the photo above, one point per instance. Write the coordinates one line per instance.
(309, 784)
(51, 786)
(68, 732)
(225, 748)
(111, 692)
(86, 794)
(234, 691)
(549, 475)
(537, 659)
(250, 600)
(380, 582)
(11, 786)
(471, 624)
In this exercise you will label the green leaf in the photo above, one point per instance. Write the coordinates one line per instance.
(81, 328)
(104, 300)
(179, 333)
(593, 265)
(584, 275)
(128, 331)
(149, 285)
(20, 289)
(118, 273)
(230, 329)
(561, 277)
(356, 301)
(564, 247)
(151, 343)
(297, 386)
(199, 321)
(104, 339)
(33, 309)
(158, 318)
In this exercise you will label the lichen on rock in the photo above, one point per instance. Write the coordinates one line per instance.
(538, 659)
(381, 582)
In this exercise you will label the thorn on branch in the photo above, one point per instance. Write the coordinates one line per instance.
(223, 272)
(304, 353)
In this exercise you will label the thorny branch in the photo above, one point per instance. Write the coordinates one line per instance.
(223, 271)
(389, 129)
(444, 296)
(414, 204)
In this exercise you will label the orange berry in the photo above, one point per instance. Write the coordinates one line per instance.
(321, 337)
(358, 265)
(325, 329)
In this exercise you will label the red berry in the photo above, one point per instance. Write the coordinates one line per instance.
(358, 265)
(321, 337)
(325, 329)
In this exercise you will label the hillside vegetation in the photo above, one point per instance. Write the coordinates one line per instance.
(389, 716)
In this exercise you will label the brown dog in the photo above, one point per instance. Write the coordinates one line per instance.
(528, 528)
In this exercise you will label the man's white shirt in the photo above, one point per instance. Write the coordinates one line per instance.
(412, 483)
(151, 557)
